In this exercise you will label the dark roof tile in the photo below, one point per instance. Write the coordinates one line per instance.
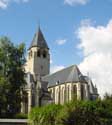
(70, 74)
(39, 40)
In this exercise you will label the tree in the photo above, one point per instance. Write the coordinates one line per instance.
(11, 76)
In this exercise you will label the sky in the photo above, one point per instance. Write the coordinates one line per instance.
(77, 32)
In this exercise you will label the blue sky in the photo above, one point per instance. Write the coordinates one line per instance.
(62, 22)
(19, 21)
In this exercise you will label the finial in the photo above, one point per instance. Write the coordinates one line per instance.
(38, 24)
(88, 74)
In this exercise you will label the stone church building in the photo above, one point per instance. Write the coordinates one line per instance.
(43, 88)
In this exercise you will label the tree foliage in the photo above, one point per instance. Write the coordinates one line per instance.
(11, 76)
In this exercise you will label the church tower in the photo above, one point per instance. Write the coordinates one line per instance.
(38, 61)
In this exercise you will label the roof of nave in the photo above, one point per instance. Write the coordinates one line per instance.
(39, 40)
(69, 74)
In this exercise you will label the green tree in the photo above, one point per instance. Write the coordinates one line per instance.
(11, 76)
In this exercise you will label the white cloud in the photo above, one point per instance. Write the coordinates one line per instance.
(75, 2)
(96, 45)
(24, 1)
(4, 3)
(56, 68)
(61, 41)
(51, 61)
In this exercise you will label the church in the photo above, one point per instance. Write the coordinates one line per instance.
(60, 87)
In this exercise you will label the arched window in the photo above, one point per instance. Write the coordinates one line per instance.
(25, 103)
(38, 53)
(68, 93)
(75, 91)
(82, 92)
(63, 95)
(44, 54)
(51, 93)
(57, 96)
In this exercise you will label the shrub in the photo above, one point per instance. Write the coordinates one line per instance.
(21, 116)
(79, 113)
(97, 112)
(44, 115)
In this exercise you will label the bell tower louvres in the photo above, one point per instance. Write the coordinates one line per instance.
(38, 56)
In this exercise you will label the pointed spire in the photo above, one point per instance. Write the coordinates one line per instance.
(39, 40)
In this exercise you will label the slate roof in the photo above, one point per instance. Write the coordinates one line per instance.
(39, 40)
(69, 74)
(91, 86)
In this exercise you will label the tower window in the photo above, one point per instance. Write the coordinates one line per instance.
(44, 54)
(41, 67)
(38, 53)
(31, 54)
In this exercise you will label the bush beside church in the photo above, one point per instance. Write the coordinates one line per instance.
(97, 112)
